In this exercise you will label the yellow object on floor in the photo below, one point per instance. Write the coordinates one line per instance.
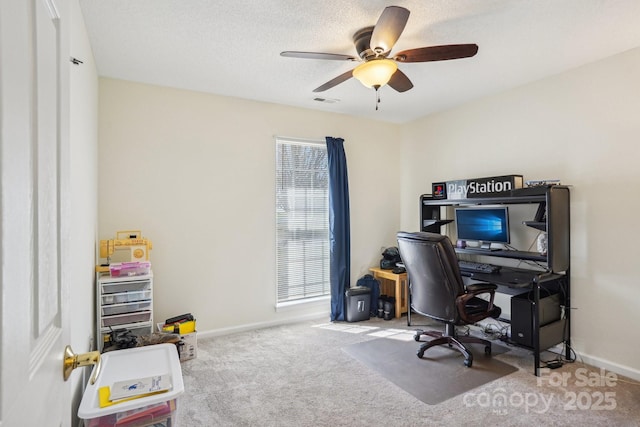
(180, 327)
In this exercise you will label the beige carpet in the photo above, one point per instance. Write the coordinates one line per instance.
(298, 375)
(438, 376)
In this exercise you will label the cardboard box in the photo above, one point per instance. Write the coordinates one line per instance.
(188, 346)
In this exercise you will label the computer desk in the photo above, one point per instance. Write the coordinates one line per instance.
(514, 281)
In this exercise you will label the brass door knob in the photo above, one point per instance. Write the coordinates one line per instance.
(72, 361)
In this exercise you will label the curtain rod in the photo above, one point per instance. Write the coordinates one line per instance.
(303, 140)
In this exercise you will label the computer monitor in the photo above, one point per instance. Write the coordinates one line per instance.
(483, 224)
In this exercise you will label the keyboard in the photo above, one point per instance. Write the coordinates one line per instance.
(478, 267)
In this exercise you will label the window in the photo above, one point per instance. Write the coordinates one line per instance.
(302, 220)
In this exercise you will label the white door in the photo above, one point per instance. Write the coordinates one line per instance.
(34, 61)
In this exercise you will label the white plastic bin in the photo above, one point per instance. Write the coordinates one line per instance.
(130, 364)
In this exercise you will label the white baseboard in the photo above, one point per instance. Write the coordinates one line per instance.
(598, 362)
(323, 314)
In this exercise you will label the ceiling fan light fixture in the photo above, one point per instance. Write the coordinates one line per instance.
(375, 73)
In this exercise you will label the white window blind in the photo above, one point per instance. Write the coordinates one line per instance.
(302, 220)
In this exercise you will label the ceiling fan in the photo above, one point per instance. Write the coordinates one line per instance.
(374, 45)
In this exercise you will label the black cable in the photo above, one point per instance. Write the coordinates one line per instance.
(494, 331)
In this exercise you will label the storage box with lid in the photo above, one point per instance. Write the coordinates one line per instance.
(134, 268)
(125, 365)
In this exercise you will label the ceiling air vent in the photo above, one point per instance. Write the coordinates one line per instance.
(326, 100)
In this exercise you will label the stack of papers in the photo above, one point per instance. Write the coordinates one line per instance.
(123, 391)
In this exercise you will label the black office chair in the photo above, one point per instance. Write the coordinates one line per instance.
(437, 291)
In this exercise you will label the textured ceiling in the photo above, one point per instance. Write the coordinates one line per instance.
(232, 48)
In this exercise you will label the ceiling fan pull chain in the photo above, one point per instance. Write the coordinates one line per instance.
(377, 96)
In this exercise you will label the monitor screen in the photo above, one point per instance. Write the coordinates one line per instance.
(490, 225)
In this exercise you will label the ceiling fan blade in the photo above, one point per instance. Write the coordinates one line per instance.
(437, 53)
(335, 81)
(400, 82)
(318, 55)
(388, 28)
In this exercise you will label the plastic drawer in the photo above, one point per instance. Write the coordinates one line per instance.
(158, 414)
(125, 297)
(121, 319)
(134, 285)
(109, 310)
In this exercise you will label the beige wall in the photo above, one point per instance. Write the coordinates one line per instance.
(582, 127)
(195, 173)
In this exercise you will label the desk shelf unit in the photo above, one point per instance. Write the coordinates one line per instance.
(552, 217)
(123, 302)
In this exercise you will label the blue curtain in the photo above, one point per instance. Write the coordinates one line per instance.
(339, 228)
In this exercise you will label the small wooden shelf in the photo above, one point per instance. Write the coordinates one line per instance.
(395, 285)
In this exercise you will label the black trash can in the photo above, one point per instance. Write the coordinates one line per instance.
(358, 302)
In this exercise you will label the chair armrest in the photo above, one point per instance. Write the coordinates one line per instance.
(462, 299)
(471, 292)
